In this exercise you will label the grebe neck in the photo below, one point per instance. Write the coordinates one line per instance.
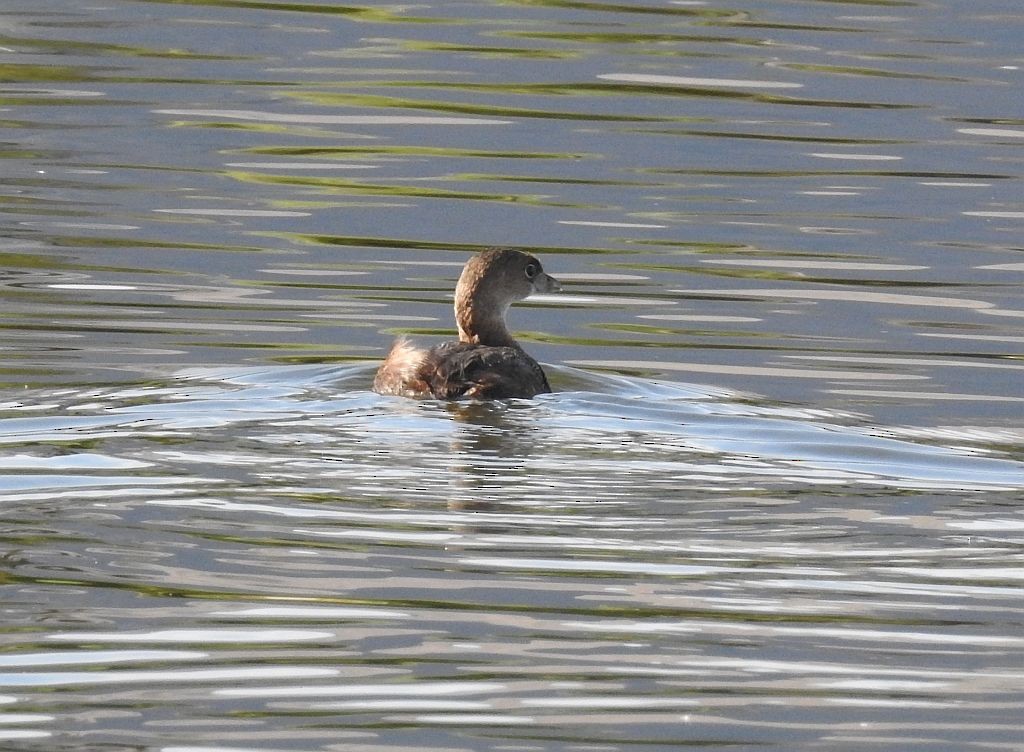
(481, 319)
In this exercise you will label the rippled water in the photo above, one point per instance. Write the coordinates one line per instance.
(774, 502)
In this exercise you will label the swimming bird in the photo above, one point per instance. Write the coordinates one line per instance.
(486, 362)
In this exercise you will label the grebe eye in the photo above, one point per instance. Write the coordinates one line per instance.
(532, 269)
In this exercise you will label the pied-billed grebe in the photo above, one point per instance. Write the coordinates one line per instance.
(486, 362)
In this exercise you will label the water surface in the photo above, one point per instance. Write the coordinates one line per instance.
(774, 501)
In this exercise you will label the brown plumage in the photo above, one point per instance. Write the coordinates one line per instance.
(486, 362)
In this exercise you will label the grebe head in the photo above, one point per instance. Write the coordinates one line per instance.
(505, 273)
(491, 281)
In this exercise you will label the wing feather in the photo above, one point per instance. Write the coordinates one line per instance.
(459, 370)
